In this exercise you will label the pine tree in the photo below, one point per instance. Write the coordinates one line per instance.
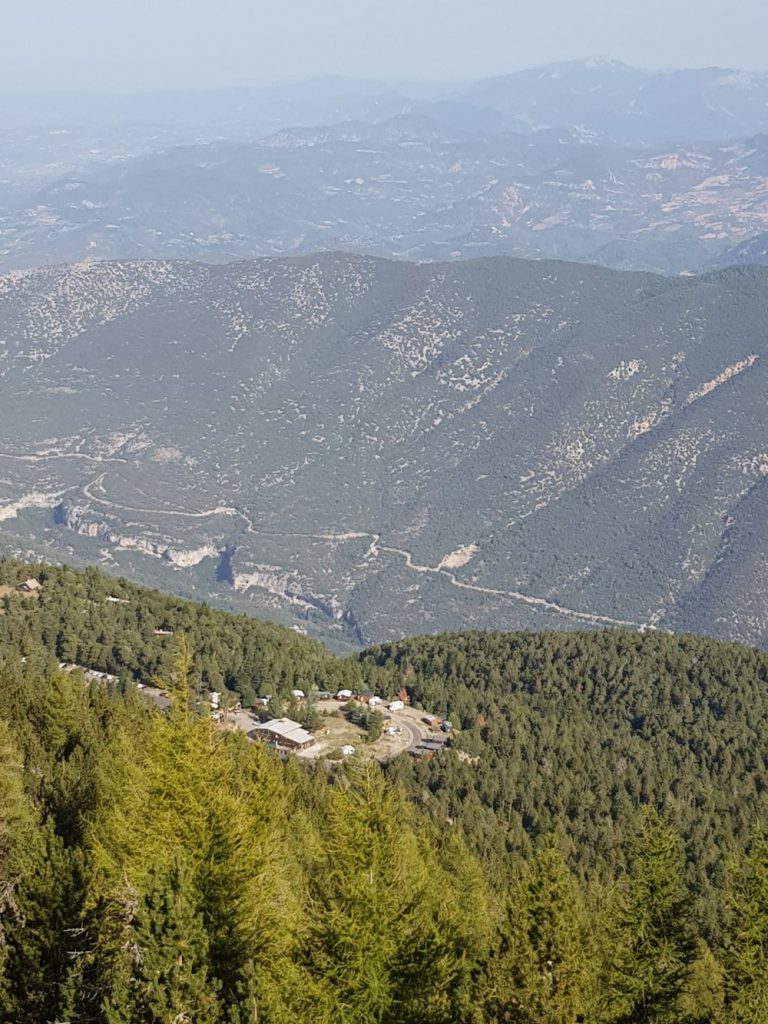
(17, 828)
(652, 942)
(40, 907)
(167, 978)
(376, 953)
(746, 939)
(541, 972)
(250, 886)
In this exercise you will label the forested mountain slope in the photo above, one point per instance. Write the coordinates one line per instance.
(570, 730)
(155, 867)
(578, 730)
(377, 448)
(127, 631)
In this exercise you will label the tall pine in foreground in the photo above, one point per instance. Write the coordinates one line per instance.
(380, 948)
(216, 804)
(651, 942)
(542, 971)
(746, 942)
(165, 975)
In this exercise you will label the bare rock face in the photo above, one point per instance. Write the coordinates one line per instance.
(380, 448)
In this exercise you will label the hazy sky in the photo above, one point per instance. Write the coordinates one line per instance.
(133, 45)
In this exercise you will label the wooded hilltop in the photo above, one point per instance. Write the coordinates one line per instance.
(590, 846)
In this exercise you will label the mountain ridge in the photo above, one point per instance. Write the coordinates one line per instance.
(387, 445)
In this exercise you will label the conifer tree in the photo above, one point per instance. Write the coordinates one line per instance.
(542, 969)
(167, 977)
(375, 952)
(651, 941)
(17, 825)
(746, 939)
(40, 909)
(251, 889)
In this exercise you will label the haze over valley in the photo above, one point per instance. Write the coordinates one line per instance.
(588, 160)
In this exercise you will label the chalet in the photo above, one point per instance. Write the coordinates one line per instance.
(30, 586)
(344, 695)
(428, 747)
(261, 702)
(433, 742)
(396, 705)
(284, 733)
(323, 695)
(298, 694)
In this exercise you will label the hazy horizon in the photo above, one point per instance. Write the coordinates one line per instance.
(85, 47)
(428, 84)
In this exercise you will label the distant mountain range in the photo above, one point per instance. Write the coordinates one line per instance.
(612, 102)
(604, 99)
(409, 188)
(589, 160)
(369, 448)
(753, 250)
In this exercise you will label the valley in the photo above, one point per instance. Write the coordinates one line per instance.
(368, 448)
(383, 514)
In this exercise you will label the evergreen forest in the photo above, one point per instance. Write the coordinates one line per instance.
(590, 847)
